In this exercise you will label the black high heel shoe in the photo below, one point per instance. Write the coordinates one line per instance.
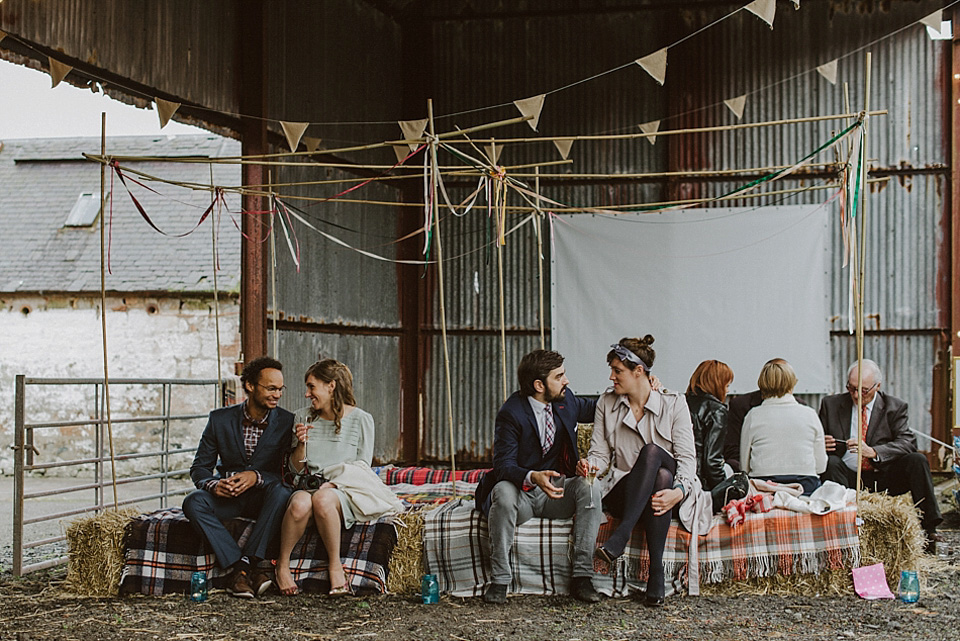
(655, 591)
(604, 554)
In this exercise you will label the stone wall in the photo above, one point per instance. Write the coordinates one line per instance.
(58, 336)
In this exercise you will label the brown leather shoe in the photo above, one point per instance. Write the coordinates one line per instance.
(240, 585)
(260, 581)
(933, 537)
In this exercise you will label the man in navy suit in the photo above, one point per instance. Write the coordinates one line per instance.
(890, 458)
(535, 446)
(249, 441)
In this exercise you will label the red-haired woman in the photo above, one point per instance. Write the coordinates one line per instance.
(706, 395)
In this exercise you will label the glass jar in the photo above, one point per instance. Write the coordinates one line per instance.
(430, 589)
(909, 586)
(198, 587)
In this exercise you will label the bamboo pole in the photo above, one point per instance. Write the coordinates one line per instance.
(501, 201)
(861, 271)
(103, 306)
(443, 310)
(214, 220)
(273, 263)
(538, 226)
(672, 132)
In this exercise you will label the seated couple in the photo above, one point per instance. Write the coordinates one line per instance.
(238, 471)
(642, 438)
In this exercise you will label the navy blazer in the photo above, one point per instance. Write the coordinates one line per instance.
(516, 441)
(222, 442)
(887, 433)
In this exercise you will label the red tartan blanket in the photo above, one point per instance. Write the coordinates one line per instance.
(163, 551)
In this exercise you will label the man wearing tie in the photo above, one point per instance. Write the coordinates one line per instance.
(534, 463)
(890, 460)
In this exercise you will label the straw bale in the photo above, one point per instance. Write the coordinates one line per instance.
(584, 433)
(406, 563)
(890, 534)
(95, 550)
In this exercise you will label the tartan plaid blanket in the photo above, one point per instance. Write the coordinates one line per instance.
(425, 476)
(432, 493)
(456, 549)
(163, 551)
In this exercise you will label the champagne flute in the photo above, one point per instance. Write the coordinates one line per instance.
(306, 434)
(591, 478)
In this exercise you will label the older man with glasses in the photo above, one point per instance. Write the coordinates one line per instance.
(889, 457)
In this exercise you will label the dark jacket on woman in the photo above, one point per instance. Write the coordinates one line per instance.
(709, 417)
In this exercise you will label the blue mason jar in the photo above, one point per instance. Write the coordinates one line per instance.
(198, 587)
(430, 589)
(909, 586)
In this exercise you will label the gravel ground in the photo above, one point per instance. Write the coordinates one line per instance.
(36, 608)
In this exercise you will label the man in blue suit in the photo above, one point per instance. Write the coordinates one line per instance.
(534, 466)
(249, 441)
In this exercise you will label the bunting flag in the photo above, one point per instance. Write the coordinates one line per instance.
(563, 145)
(796, 4)
(736, 105)
(531, 107)
(655, 64)
(412, 130)
(165, 109)
(829, 71)
(294, 132)
(58, 71)
(933, 20)
(766, 10)
(493, 152)
(3, 34)
(313, 144)
(401, 152)
(651, 127)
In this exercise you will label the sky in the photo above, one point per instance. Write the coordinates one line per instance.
(29, 108)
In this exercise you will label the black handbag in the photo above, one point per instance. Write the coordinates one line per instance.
(735, 487)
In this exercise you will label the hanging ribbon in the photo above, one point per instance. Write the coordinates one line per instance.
(143, 213)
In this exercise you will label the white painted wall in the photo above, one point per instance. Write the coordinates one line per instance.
(60, 337)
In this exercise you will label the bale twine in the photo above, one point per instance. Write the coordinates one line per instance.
(406, 566)
(95, 550)
(890, 534)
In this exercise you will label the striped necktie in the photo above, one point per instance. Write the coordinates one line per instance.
(865, 462)
(549, 430)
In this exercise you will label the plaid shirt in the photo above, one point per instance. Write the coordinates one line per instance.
(252, 431)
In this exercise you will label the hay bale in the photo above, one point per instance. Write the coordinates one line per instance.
(406, 563)
(95, 550)
(584, 434)
(890, 534)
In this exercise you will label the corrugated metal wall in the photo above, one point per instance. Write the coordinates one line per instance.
(741, 55)
(322, 71)
(185, 48)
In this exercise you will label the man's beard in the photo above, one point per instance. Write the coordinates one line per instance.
(558, 397)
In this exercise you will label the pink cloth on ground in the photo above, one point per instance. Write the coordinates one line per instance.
(870, 582)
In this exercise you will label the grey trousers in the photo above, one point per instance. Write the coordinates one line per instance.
(511, 507)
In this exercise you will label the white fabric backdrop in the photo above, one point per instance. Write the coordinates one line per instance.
(741, 285)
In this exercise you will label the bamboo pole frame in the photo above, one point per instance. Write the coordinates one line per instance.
(861, 268)
(214, 220)
(538, 225)
(103, 307)
(443, 310)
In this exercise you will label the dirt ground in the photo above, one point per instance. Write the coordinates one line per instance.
(35, 608)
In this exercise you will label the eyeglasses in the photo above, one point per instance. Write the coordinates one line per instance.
(863, 391)
(272, 390)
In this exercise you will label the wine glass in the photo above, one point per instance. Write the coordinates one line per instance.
(306, 435)
(591, 478)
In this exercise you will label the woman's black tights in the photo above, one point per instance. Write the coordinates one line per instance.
(653, 471)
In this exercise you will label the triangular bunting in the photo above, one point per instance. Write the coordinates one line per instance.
(58, 71)
(649, 128)
(493, 152)
(531, 107)
(3, 34)
(763, 9)
(312, 144)
(829, 71)
(796, 4)
(294, 132)
(165, 109)
(933, 20)
(655, 64)
(401, 151)
(736, 105)
(412, 130)
(563, 145)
